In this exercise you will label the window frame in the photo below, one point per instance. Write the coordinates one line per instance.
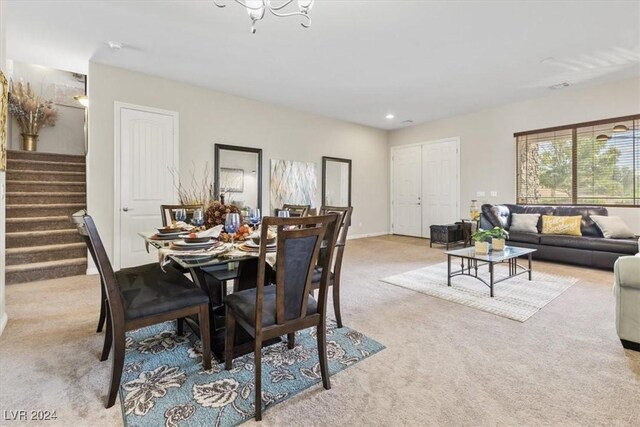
(574, 161)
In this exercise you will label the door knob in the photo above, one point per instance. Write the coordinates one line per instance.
(125, 209)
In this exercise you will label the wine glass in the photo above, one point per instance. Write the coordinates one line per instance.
(232, 224)
(254, 217)
(181, 215)
(198, 218)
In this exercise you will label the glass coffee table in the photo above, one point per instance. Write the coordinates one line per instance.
(509, 255)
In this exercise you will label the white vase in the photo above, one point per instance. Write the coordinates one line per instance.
(498, 244)
(482, 247)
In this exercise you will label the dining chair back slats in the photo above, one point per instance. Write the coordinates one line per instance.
(168, 212)
(296, 210)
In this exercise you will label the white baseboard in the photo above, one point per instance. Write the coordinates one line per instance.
(3, 322)
(91, 271)
(362, 236)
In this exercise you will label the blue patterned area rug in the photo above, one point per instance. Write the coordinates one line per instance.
(164, 384)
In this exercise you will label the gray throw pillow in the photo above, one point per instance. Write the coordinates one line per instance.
(612, 227)
(525, 223)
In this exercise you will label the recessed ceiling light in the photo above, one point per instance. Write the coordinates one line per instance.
(389, 116)
(559, 86)
(115, 45)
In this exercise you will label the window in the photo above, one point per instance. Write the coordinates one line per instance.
(595, 163)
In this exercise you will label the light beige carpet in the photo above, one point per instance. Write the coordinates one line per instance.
(516, 298)
(445, 364)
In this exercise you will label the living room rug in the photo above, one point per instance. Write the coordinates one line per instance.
(516, 298)
(163, 383)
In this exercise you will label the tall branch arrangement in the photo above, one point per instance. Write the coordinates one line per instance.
(30, 110)
(198, 191)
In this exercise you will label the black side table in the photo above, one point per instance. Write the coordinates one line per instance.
(445, 234)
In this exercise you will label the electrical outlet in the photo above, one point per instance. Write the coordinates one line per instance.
(480, 193)
(494, 193)
(360, 224)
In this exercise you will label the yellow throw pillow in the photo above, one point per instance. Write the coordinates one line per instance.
(561, 225)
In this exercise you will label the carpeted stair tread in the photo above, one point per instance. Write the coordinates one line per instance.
(45, 265)
(44, 165)
(40, 172)
(46, 193)
(52, 183)
(44, 162)
(58, 247)
(51, 205)
(39, 218)
(42, 233)
(40, 155)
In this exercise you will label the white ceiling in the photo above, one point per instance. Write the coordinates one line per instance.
(421, 60)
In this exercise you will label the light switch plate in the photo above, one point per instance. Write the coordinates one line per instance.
(494, 194)
(480, 193)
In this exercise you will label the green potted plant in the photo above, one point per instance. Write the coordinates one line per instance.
(498, 238)
(482, 238)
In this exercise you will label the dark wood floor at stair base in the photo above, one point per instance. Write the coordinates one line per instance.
(43, 189)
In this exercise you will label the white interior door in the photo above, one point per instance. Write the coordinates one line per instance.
(440, 184)
(148, 149)
(407, 179)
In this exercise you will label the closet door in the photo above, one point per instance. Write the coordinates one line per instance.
(440, 184)
(407, 179)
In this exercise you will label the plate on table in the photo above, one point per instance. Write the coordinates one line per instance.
(248, 248)
(188, 239)
(170, 230)
(179, 244)
(252, 244)
(165, 236)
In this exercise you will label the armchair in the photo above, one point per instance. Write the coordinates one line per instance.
(627, 292)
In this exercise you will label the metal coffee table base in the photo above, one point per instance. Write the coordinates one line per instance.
(471, 269)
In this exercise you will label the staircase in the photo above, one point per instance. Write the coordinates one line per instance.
(42, 191)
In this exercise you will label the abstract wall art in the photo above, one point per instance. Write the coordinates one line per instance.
(293, 183)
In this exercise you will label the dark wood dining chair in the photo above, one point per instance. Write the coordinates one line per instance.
(267, 312)
(168, 212)
(139, 300)
(344, 220)
(296, 210)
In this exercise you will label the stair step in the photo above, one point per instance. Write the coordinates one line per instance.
(36, 175)
(39, 210)
(34, 254)
(20, 239)
(38, 223)
(44, 165)
(47, 185)
(39, 155)
(50, 197)
(45, 270)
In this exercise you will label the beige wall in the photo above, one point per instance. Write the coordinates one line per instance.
(487, 154)
(3, 57)
(208, 117)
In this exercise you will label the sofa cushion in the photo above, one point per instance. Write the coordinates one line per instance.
(527, 223)
(588, 227)
(552, 224)
(526, 209)
(612, 227)
(518, 236)
(622, 246)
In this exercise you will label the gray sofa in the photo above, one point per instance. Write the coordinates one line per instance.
(627, 291)
(591, 249)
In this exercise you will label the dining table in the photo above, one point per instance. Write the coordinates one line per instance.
(211, 269)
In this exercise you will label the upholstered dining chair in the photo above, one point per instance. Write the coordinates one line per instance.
(267, 312)
(296, 210)
(168, 212)
(344, 220)
(139, 300)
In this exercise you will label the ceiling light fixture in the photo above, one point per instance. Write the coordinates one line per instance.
(82, 99)
(389, 116)
(115, 45)
(602, 137)
(257, 8)
(620, 128)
